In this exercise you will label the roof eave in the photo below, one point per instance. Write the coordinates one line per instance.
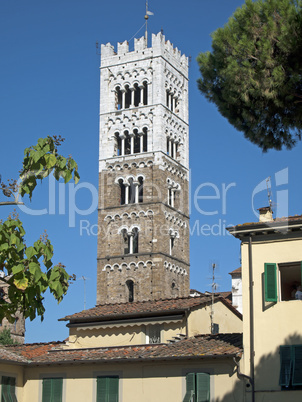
(241, 231)
(135, 359)
(160, 313)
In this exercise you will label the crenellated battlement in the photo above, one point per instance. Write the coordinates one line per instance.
(160, 47)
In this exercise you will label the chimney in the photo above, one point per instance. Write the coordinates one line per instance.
(265, 214)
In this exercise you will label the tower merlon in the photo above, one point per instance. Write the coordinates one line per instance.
(160, 47)
(122, 47)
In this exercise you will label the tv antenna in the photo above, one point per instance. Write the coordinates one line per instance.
(83, 278)
(269, 192)
(214, 286)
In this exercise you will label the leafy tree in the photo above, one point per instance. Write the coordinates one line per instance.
(254, 72)
(6, 338)
(22, 264)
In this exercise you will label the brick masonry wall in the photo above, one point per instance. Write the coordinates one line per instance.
(155, 273)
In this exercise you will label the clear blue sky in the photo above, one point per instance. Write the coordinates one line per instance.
(49, 84)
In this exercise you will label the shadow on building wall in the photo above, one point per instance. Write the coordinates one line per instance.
(267, 373)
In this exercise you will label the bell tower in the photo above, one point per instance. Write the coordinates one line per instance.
(143, 241)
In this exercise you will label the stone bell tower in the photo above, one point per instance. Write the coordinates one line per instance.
(143, 242)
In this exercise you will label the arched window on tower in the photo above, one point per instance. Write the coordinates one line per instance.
(130, 290)
(118, 145)
(118, 98)
(173, 235)
(140, 189)
(131, 195)
(137, 95)
(174, 289)
(122, 192)
(127, 143)
(130, 241)
(126, 242)
(136, 141)
(172, 241)
(127, 97)
(135, 240)
(145, 140)
(145, 93)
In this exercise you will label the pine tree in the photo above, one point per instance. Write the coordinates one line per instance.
(254, 72)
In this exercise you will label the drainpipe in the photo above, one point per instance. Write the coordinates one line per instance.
(187, 325)
(252, 352)
(241, 375)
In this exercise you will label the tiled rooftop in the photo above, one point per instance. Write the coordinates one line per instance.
(284, 219)
(135, 309)
(236, 271)
(201, 346)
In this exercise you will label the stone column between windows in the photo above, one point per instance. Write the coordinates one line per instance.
(174, 150)
(175, 101)
(131, 135)
(169, 100)
(144, 93)
(123, 98)
(130, 234)
(136, 184)
(126, 193)
(170, 147)
(141, 88)
(122, 137)
(172, 197)
(141, 142)
(132, 89)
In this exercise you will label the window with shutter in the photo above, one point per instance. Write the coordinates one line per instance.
(270, 277)
(107, 389)
(197, 387)
(52, 389)
(290, 367)
(285, 366)
(8, 393)
(289, 276)
(297, 364)
(202, 387)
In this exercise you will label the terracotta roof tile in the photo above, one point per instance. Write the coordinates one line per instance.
(236, 271)
(201, 346)
(106, 311)
(284, 219)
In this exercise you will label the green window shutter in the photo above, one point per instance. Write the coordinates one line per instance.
(46, 390)
(297, 364)
(52, 389)
(190, 383)
(270, 278)
(113, 389)
(8, 393)
(101, 393)
(202, 387)
(285, 365)
(57, 389)
(12, 389)
(107, 389)
(5, 389)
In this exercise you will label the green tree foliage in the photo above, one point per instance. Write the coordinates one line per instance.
(254, 72)
(6, 338)
(29, 270)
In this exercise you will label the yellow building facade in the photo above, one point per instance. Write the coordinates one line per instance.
(272, 333)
